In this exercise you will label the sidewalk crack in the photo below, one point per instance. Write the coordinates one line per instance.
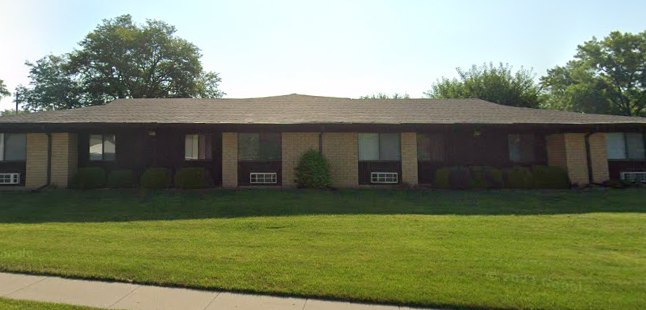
(212, 300)
(122, 298)
(22, 288)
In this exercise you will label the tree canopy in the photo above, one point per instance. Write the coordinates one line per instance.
(605, 76)
(4, 92)
(386, 96)
(119, 59)
(499, 84)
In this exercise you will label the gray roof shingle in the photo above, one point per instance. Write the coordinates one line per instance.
(303, 109)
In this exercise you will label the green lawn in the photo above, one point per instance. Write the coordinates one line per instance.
(10, 304)
(489, 249)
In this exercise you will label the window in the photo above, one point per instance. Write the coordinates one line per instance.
(259, 146)
(625, 146)
(379, 146)
(521, 148)
(430, 147)
(198, 147)
(102, 147)
(13, 146)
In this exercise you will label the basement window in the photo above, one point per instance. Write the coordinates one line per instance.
(102, 147)
(625, 146)
(198, 147)
(13, 146)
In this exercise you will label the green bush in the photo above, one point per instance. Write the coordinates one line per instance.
(122, 179)
(442, 178)
(460, 178)
(486, 177)
(550, 177)
(519, 177)
(312, 171)
(88, 178)
(156, 178)
(192, 178)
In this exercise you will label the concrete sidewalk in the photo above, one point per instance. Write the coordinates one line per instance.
(114, 295)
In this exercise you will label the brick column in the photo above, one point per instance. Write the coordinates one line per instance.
(569, 152)
(36, 162)
(294, 144)
(64, 159)
(229, 160)
(342, 152)
(599, 157)
(409, 158)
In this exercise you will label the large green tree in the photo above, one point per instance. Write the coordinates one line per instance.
(605, 76)
(4, 92)
(120, 59)
(499, 84)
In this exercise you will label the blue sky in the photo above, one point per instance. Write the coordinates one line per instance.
(331, 48)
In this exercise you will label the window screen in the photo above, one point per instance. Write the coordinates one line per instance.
(389, 146)
(635, 144)
(616, 145)
(259, 146)
(379, 146)
(13, 146)
(625, 146)
(368, 146)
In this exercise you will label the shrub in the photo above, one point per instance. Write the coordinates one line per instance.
(88, 178)
(486, 177)
(519, 177)
(460, 178)
(442, 178)
(312, 171)
(550, 177)
(122, 179)
(156, 178)
(192, 178)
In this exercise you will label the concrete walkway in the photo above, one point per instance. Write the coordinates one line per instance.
(114, 295)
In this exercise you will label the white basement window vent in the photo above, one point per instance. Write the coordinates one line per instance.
(384, 177)
(263, 178)
(9, 178)
(637, 177)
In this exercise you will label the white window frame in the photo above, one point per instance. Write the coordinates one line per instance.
(384, 177)
(9, 178)
(263, 178)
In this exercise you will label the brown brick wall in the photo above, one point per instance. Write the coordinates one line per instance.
(342, 152)
(64, 159)
(599, 156)
(229, 159)
(409, 158)
(293, 145)
(36, 174)
(568, 151)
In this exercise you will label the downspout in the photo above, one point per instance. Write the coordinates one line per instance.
(49, 163)
(588, 156)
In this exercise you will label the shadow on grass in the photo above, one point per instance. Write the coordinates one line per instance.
(121, 206)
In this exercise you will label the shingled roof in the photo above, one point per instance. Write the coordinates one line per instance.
(303, 109)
